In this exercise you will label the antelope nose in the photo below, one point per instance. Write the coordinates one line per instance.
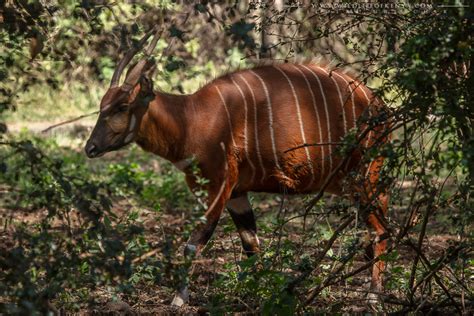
(91, 150)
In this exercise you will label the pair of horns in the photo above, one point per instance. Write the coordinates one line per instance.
(134, 75)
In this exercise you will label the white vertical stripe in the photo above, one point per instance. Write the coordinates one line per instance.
(246, 143)
(228, 115)
(352, 96)
(365, 94)
(362, 88)
(300, 121)
(317, 119)
(270, 118)
(352, 92)
(327, 113)
(340, 98)
(257, 145)
(367, 141)
(368, 169)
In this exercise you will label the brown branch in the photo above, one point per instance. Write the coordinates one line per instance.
(435, 268)
(312, 144)
(421, 237)
(321, 255)
(68, 121)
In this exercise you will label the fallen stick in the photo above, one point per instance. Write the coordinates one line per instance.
(68, 121)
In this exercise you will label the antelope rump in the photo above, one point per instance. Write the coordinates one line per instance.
(272, 128)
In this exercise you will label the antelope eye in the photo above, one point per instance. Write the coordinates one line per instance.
(122, 108)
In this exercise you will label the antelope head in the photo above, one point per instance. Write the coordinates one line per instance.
(123, 106)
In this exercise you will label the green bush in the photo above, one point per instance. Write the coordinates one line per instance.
(77, 241)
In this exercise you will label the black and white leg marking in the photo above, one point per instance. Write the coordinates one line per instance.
(241, 212)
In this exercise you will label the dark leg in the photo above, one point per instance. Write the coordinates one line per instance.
(196, 242)
(241, 212)
(198, 239)
(201, 235)
(375, 221)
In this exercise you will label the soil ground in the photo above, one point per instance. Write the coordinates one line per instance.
(154, 299)
(348, 296)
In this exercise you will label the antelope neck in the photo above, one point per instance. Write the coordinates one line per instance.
(163, 128)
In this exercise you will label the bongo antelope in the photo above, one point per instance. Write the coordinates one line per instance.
(238, 130)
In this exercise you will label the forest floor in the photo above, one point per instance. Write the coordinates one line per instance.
(154, 298)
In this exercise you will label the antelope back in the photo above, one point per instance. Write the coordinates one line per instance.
(286, 123)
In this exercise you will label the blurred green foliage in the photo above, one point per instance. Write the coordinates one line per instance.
(62, 55)
(56, 58)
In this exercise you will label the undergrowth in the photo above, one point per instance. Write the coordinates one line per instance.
(80, 239)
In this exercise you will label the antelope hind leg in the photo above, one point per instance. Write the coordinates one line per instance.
(242, 214)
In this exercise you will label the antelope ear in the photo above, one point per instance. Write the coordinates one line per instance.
(146, 94)
(146, 85)
(150, 68)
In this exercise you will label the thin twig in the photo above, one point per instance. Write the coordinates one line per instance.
(68, 121)
(312, 145)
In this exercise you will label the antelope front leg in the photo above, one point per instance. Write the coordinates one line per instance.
(241, 212)
(199, 238)
(196, 242)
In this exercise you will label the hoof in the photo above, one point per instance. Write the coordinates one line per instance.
(181, 298)
(374, 302)
(373, 298)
